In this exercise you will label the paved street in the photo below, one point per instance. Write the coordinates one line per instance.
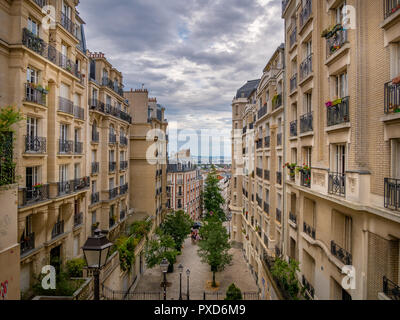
(237, 272)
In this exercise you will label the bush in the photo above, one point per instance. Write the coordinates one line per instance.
(64, 286)
(233, 293)
(140, 229)
(75, 268)
(126, 249)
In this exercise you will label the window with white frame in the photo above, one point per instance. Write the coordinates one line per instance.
(341, 89)
(33, 26)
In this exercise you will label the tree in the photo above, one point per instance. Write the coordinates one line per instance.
(163, 246)
(214, 246)
(233, 293)
(178, 226)
(212, 198)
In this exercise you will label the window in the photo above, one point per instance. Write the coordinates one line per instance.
(121, 180)
(64, 91)
(94, 219)
(66, 10)
(341, 85)
(31, 127)
(396, 158)
(108, 100)
(307, 102)
(77, 100)
(32, 75)
(32, 177)
(339, 13)
(307, 49)
(63, 173)
(339, 159)
(94, 186)
(307, 156)
(33, 27)
(111, 183)
(112, 155)
(76, 135)
(77, 171)
(63, 132)
(294, 155)
(94, 95)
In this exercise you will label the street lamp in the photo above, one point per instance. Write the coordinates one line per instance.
(95, 250)
(180, 269)
(164, 268)
(188, 274)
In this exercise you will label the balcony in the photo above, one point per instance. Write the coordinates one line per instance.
(293, 83)
(392, 98)
(284, 5)
(338, 113)
(123, 165)
(78, 147)
(341, 254)
(68, 24)
(122, 215)
(244, 130)
(305, 13)
(259, 201)
(123, 189)
(81, 183)
(267, 142)
(293, 217)
(112, 166)
(279, 139)
(95, 197)
(35, 144)
(67, 187)
(305, 178)
(35, 94)
(391, 289)
(390, 7)
(293, 128)
(307, 285)
(335, 40)
(27, 243)
(97, 105)
(306, 68)
(78, 219)
(65, 146)
(112, 138)
(267, 174)
(58, 229)
(262, 112)
(259, 144)
(113, 193)
(50, 53)
(278, 215)
(95, 167)
(95, 137)
(337, 184)
(392, 194)
(293, 37)
(308, 230)
(41, 3)
(37, 193)
(259, 172)
(266, 208)
(65, 105)
(277, 101)
(79, 113)
(279, 177)
(306, 122)
(123, 140)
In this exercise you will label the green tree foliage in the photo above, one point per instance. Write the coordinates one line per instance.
(140, 229)
(75, 267)
(214, 246)
(285, 273)
(212, 197)
(233, 293)
(126, 249)
(9, 117)
(178, 226)
(163, 246)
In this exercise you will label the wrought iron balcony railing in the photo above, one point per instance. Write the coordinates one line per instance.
(117, 88)
(305, 178)
(78, 219)
(278, 215)
(95, 167)
(68, 24)
(307, 285)
(337, 183)
(27, 243)
(305, 13)
(35, 194)
(391, 289)
(306, 122)
(78, 147)
(277, 101)
(293, 37)
(267, 142)
(390, 7)
(392, 98)
(123, 165)
(95, 104)
(338, 113)
(262, 112)
(95, 197)
(293, 128)
(336, 41)
(341, 254)
(392, 194)
(279, 177)
(267, 174)
(35, 95)
(65, 146)
(35, 144)
(259, 172)
(81, 183)
(112, 165)
(112, 138)
(310, 231)
(58, 229)
(113, 193)
(79, 113)
(293, 217)
(293, 83)
(41, 3)
(65, 105)
(123, 140)
(123, 189)
(306, 67)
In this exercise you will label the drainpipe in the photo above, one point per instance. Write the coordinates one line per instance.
(284, 222)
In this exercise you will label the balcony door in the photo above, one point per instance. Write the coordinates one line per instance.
(307, 103)
(33, 26)
(31, 127)
(66, 10)
(63, 132)
(32, 177)
(121, 180)
(63, 174)
(339, 160)
(341, 85)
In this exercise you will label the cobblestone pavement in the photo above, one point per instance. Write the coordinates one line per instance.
(200, 274)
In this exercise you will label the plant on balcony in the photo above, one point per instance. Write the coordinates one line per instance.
(285, 275)
(126, 249)
(37, 186)
(75, 267)
(274, 100)
(140, 229)
(329, 32)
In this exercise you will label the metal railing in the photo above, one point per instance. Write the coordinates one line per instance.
(267, 174)
(81, 183)
(35, 144)
(78, 147)
(306, 122)
(41, 3)
(392, 98)
(335, 41)
(390, 7)
(117, 88)
(266, 208)
(305, 178)
(65, 105)
(293, 128)
(267, 142)
(27, 243)
(337, 183)
(123, 165)
(123, 140)
(95, 167)
(277, 101)
(112, 165)
(35, 194)
(259, 144)
(310, 231)
(78, 219)
(292, 217)
(79, 113)
(95, 197)
(306, 67)
(58, 229)
(113, 193)
(112, 138)
(68, 24)
(305, 13)
(391, 289)
(341, 254)
(293, 37)
(66, 146)
(279, 177)
(123, 189)
(35, 95)
(262, 112)
(293, 83)
(307, 285)
(339, 113)
(392, 194)
(259, 172)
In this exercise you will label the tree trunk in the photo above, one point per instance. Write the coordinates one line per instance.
(214, 284)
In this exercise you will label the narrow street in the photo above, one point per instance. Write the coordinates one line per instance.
(237, 273)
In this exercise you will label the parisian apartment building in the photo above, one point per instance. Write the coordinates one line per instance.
(81, 151)
(315, 152)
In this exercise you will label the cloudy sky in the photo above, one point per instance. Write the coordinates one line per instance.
(191, 54)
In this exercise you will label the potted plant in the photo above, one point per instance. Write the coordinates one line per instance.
(328, 104)
(37, 185)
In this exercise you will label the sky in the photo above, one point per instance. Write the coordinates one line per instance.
(193, 55)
